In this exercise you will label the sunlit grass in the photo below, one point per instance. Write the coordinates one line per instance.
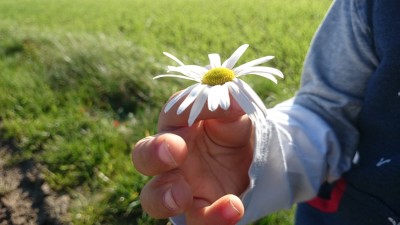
(76, 88)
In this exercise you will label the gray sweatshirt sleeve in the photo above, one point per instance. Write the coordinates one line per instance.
(313, 137)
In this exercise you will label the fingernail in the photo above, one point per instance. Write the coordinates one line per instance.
(231, 211)
(165, 154)
(169, 201)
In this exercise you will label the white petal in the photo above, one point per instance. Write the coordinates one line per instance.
(174, 58)
(231, 61)
(185, 71)
(252, 63)
(225, 100)
(265, 75)
(176, 76)
(197, 69)
(178, 97)
(242, 99)
(215, 60)
(198, 105)
(260, 70)
(189, 70)
(251, 94)
(190, 98)
(274, 71)
(214, 97)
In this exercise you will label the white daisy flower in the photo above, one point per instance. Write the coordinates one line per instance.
(218, 81)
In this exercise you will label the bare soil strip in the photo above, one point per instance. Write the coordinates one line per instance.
(25, 198)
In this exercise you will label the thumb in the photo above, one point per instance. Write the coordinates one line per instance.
(227, 210)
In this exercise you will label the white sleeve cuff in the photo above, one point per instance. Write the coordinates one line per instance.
(303, 153)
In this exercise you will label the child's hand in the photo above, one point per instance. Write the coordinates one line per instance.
(199, 170)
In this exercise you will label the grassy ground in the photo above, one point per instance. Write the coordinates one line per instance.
(76, 88)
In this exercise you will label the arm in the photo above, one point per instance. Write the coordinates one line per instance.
(314, 136)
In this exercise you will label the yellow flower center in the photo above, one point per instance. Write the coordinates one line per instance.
(218, 76)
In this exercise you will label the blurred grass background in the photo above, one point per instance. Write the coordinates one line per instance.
(76, 88)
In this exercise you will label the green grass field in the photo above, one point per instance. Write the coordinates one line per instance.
(76, 88)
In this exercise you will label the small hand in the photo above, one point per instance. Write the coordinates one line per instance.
(198, 170)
